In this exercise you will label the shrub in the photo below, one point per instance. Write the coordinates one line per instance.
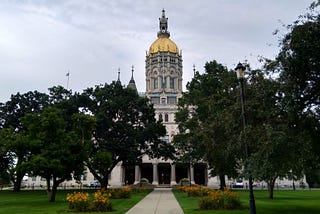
(231, 200)
(206, 203)
(195, 191)
(184, 181)
(143, 181)
(123, 192)
(78, 201)
(139, 190)
(218, 199)
(101, 200)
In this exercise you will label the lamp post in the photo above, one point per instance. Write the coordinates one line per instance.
(240, 75)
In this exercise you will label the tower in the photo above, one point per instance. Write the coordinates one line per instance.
(163, 67)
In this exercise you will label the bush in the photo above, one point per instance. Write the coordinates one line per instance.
(124, 192)
(143, 181)
(184, 182)
(102, 201)
(78, 201)
(195, 191)
(207, 203)
(139, 189)
(218, 199)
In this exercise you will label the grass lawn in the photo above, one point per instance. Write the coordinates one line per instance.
(36, 202)
(285, 202)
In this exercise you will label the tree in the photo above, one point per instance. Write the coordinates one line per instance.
(16, 146)
(59, 153)
(267, 133)
(298, 67)
(5, 160)
(207, 121)
(125, 129)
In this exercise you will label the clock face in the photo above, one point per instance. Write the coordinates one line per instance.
(163, 31)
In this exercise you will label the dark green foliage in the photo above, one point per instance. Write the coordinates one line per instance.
(125, 129)
(13, 142)
(58, 152)
(298, 67)
(208, 121)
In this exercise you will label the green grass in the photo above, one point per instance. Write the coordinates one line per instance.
(36, 202)
(285, 202)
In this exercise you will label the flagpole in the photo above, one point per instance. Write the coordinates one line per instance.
(68, 75)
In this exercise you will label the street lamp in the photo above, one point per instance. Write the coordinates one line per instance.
(240, 75)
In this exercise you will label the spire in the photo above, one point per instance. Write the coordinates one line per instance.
(118, 76)
(132, 83)
(163, 25)
(194, 70)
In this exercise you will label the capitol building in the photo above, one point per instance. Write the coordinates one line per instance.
(164, 83)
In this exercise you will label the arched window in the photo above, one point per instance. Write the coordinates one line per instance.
(156, 83)
(160, 117)
(166, 118)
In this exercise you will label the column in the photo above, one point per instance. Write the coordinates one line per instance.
(137, 174)
(173, 175)
(123, 176)
(206, 176)
(192, 174)
(155, 174)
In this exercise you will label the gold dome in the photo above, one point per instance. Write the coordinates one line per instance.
(163, 44)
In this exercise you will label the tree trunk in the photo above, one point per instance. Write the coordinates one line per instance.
(17, 182)
(271, 187)
(293, 185)
(104, 182)
(51, 193)
(222, 182)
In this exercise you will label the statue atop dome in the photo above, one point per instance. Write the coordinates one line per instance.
(163, 25)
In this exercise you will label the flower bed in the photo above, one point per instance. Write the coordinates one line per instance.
(98, 201)
(210, 199)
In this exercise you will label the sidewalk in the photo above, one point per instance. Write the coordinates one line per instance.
(159, 201)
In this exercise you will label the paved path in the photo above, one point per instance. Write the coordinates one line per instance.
(159, 201)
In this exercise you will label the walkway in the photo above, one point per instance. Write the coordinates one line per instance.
(159, 201)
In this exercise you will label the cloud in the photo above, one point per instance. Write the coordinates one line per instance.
(42, 40)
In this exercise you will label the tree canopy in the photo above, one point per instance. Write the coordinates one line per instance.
(125, 129)
(298, 68)
(208, 122)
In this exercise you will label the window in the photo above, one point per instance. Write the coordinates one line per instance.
(163, 100)
(171, 83)
(166, 118)
(156, 83)
(160, 117)
(155, 100)
(164, 82)
(172, 100)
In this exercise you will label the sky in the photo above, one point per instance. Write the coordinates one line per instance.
(42, 40)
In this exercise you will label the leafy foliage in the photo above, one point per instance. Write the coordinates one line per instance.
(206, 118)
(125, 129)
(13, 143)
(298, 68)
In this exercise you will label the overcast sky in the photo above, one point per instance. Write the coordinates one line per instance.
(41, 40)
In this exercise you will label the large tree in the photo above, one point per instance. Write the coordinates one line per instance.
(125, 130)
(298, 68)
(59, 152)
(14, 142)
(267, 133)
(209, 121)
